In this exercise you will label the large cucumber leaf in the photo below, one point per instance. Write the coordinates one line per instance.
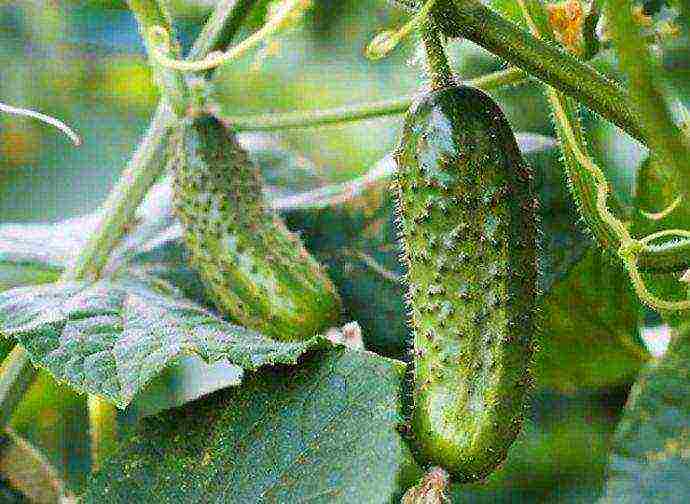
(650, 460)
(111, 338)
(325, 431)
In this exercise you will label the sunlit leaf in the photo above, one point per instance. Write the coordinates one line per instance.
(112, 338)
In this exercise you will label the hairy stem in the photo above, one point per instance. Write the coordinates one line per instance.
(664, 137)
(394, 106)
(586, 186)
(436, 59)
(546, 61)
(119, 208)
(148, 14)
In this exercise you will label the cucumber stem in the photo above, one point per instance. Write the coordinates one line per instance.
(437, 61)
(16, 376)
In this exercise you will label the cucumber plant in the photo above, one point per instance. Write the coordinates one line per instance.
(299, 414)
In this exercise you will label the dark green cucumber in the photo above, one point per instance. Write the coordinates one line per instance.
(469, 229)
(254, 269)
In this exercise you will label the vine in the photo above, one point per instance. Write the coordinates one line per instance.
(629, 248)
(57, 123)
(17, 373)
(288, 12)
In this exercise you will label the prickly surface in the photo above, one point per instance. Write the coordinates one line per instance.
(254, 269)
(469, 229)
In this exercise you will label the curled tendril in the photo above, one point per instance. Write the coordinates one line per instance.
(43, 118)
(386, 41)
(665, 212)
(285, 14)
(680, 233)
(630, 248)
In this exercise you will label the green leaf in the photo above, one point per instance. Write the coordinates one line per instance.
(6, 346)
(112, 338)
(650, 461)
(322, 432)
(590, 329)
(33, 253)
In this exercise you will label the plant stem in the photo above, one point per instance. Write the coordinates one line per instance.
(394, 106)
(142, 170)
(286, 14)
(436, 59)
(16, 376)
(148, 14)
(545, 61)
(102, 429)
(221, 27)
(586, 183)
(119, 208)
(664, 138)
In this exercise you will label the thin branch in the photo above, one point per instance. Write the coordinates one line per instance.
(221, 27)
(664, 137)
(358, 112)
(161, 41)
(57, 123)
(548, 62)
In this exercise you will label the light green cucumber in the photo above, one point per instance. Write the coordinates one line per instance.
(255, 270)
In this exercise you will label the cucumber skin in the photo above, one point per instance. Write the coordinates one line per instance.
(469, 229)
(255, 270)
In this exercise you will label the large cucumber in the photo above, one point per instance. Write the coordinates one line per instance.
(469, 229)
(255, 270)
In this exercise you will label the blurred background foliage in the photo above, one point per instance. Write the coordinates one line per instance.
(83, 61)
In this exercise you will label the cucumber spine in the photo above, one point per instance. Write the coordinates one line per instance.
(254, 269)
(469, 230)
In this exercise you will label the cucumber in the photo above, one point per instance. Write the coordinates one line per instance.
(254, 269)
(469, 230)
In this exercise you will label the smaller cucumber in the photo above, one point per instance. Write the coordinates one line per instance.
(255, 270)
(469, 228)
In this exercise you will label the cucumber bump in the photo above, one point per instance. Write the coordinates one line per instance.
(469, 231)
(255, 270)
